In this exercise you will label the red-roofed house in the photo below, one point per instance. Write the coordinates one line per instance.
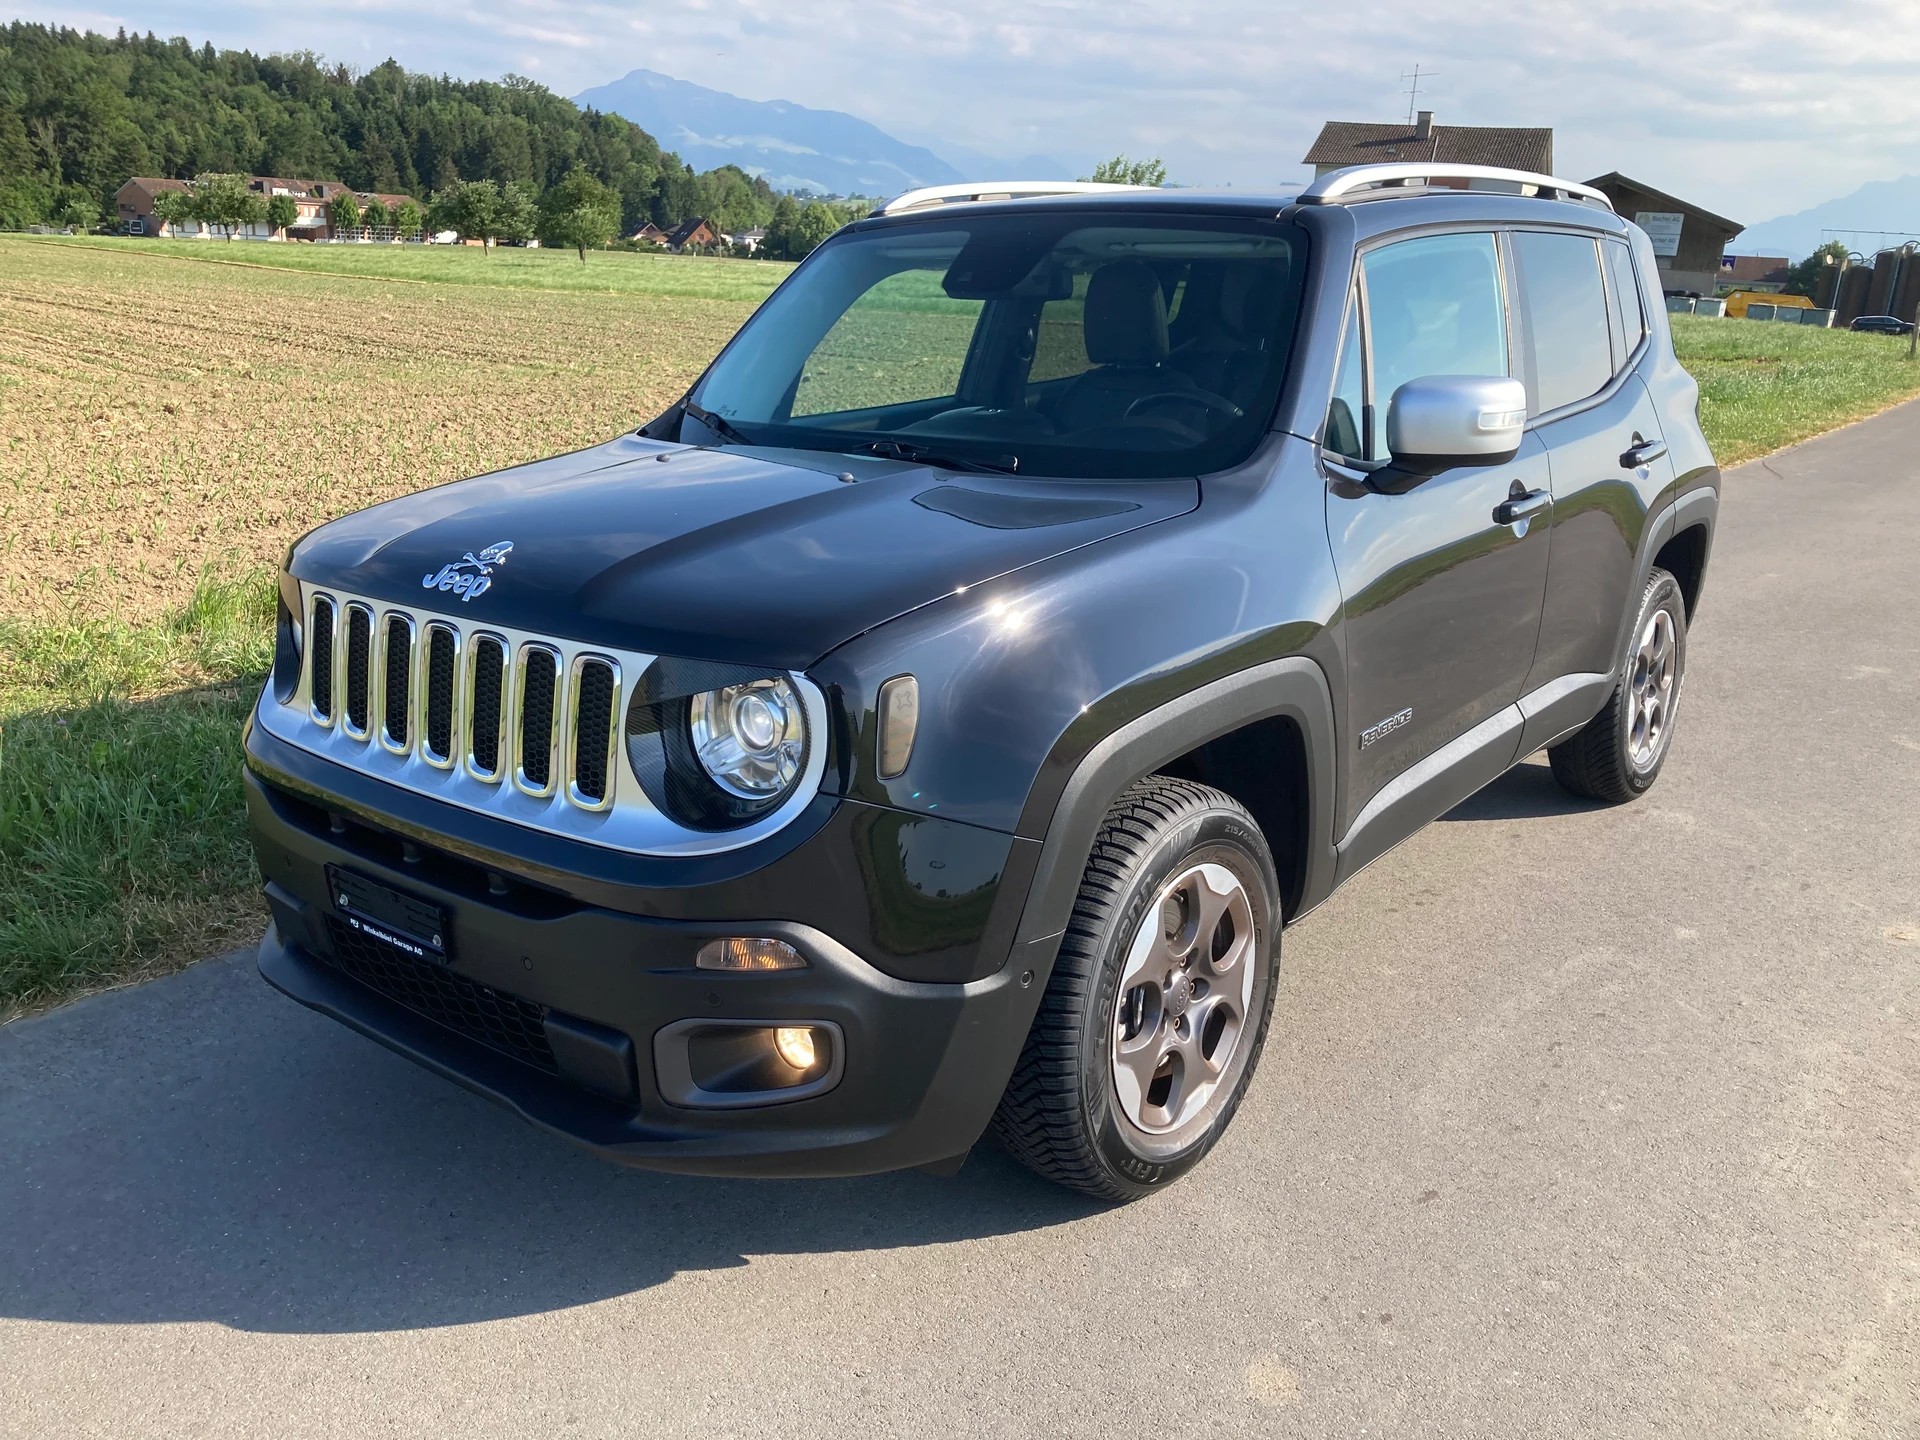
(134, 202)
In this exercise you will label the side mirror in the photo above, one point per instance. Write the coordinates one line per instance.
(1440, 421)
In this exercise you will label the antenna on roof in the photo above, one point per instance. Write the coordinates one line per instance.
(1411, 79)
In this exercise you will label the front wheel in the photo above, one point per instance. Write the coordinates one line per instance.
(1157, 1008)
(1618, 756)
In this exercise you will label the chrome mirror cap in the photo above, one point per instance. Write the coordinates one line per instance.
(1458, 418)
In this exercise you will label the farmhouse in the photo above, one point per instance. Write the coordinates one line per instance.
(134, 206)
(1357, 142)
(1688, 242)
(694, 234)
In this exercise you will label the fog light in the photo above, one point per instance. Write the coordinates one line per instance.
(795, 1044)
(739, 953)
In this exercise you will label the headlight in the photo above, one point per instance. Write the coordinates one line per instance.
(717, 747)
(751, 739)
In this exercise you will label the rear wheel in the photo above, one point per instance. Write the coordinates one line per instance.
(1618, 756)
(1157, 1008)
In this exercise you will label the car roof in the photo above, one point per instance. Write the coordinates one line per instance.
(1372, 212)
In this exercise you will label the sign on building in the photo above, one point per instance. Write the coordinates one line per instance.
(1663, 228)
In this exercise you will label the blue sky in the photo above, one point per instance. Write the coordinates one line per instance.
(1753, 108)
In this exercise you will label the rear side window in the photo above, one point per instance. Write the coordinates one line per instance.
(1631, 320)
(1434, 307)
(1567, 318)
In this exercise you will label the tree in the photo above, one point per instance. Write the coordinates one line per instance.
(281, 211)
(470, 208)
(579, 212)
(24, 201)
(1122, 170)
(376, 216)
(343, 212)
(518, 208)
(407, 219)
(78, 210)
(782, 229)
(817, 222)
(1809, 275)
(174, 206)
(225, 199)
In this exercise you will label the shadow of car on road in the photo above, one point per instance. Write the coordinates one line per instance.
(203, 1149)
(1526, 792)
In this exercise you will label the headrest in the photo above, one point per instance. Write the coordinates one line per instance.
(1126, 315)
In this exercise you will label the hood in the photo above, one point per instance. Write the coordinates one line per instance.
(752, 556)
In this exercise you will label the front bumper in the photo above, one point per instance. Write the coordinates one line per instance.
(553, 1006)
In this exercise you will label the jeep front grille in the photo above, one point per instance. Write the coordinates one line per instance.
(527, 729)
(449, 696)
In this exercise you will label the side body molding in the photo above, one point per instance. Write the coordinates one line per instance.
(1294, 688)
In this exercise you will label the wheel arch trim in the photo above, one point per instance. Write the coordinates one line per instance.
(1293, 688)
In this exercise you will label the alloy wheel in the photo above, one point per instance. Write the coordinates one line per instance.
(1184, 998)
(1651, 691)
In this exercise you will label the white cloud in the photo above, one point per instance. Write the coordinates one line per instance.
(1750, 107)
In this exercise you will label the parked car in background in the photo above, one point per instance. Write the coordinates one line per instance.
(934, 718)
(1882, 325)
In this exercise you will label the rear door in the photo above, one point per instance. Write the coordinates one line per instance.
(1585, 332)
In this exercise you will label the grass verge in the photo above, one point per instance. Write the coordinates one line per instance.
(1764, 386)
(122, 853)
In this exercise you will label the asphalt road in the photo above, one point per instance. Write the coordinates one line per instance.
(1574, 1122)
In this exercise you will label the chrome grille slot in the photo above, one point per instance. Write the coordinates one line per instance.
(441, 662)
(396, 681)
(486, 706)
(359, 657)
(538, 718)
(320, 653)
(593, 694)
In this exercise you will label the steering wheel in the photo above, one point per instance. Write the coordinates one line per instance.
(1205, 399)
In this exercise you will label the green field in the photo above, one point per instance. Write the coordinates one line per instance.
(173, 413)
(612, 272)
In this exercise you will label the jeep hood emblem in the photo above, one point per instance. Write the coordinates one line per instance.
(471, 575)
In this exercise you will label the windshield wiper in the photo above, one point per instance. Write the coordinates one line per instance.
(927, 455)
(718, 424)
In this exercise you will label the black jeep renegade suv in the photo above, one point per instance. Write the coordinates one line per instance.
(934, 718)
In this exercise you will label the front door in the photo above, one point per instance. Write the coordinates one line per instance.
(1442, 597)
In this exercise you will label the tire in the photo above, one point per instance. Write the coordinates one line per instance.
(1614, 759)
(1094, 1104)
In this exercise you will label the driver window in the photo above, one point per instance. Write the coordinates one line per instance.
(904, 340)
(1434, 307)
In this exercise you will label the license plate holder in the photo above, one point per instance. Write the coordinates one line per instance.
(409, 924)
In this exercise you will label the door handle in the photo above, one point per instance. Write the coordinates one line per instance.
(1515, 508)
(1643, 452)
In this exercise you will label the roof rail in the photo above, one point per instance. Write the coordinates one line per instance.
(996, 190)
(1362, 181)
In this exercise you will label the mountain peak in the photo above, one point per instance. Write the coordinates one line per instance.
(791, 146)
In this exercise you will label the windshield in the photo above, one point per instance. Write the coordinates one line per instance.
(1061, 344)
